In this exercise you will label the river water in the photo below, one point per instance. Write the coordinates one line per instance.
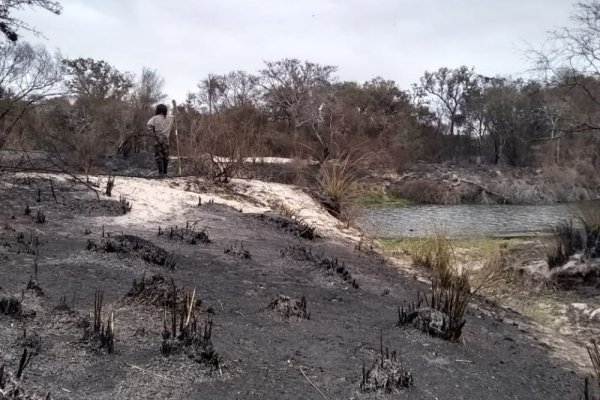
(465, 220)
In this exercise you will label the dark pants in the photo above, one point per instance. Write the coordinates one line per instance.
(161, 155)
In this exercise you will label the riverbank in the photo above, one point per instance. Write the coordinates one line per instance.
(61, 243)
(437, 184)
(512, 273)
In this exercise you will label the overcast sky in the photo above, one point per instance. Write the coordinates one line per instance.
(396, 39)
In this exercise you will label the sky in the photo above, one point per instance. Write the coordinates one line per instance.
(185, 40)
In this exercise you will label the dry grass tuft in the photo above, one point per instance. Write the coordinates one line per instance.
(594, 354)
(563, 244)
(436, 253)
(589, 216)
(493, 271)
(339, 183)
(305, 229)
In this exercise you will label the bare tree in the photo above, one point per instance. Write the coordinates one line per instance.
(240, 89)
(290, 83)
(571, 59)
(9, 25)
(28, 74)
(148, 90)
(211, 89)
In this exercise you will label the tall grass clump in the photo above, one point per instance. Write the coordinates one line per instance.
(451, 300)
(436, 253)
(339, 183)
(589, 216)
(563, 244)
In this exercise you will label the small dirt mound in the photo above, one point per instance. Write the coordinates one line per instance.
(238, 251)
(11, 306)
(428, 320)
(288, 308)
(330, 265)
(299, 228)
(300, 253)
(387, 375)
(189, 234)
(155, 290)
(127, 244)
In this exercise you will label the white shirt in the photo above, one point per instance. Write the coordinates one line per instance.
(161, 126)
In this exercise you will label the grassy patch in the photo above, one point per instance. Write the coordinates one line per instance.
(475, 248)
(436, 253)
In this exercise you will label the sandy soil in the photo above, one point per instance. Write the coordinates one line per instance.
(264, 355)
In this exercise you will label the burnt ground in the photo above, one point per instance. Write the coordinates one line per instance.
(264, 356)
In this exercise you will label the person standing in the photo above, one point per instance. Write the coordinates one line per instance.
(160, 126)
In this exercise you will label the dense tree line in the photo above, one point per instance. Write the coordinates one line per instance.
(84, 109)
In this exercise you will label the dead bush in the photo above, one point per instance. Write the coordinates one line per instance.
(218, 145)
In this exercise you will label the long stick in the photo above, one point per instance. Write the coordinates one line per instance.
(176, 136)
(151, 373)
(312, 384)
